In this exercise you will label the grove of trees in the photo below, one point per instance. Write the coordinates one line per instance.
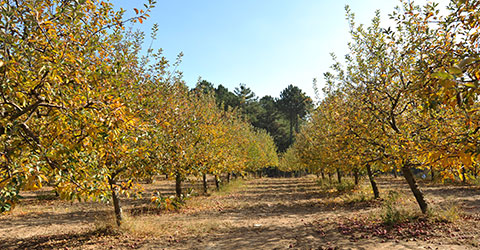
(405, 98)
(280, 117)
(87, 111)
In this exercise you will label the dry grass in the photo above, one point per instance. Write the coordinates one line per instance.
(171, 226)
(188, 221)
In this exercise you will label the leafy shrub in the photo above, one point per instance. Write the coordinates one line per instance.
(171, 203)
(391, 215)
(345, 186)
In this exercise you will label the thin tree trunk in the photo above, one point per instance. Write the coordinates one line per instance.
(116, 202)
(464, 180)
(228, 178)
(323, 175)
(217, 182)
(407, 173)
(178, 185)
(355, 175)
(205, 184)
(395, 172)
(432, 173)
(291, 130)
(339, 175)
(330, 177)
(376, 194)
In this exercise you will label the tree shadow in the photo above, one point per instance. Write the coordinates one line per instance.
(64, 241)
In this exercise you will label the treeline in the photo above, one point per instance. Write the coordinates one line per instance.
(406, 97)
(84, 110)
(280, 117)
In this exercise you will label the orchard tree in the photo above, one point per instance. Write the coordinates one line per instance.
(62, 73)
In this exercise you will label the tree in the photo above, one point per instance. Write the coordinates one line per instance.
(69, 71)
(295, 105)
(204, 86)
(226, 98)
(273, 121)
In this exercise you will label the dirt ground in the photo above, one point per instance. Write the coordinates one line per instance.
(266, 213)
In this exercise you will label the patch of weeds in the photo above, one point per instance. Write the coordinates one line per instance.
(355, 197)
(231, 187)
(345, 186)
(447, 213)
(171, 203)
(391, 213)
(325, 183)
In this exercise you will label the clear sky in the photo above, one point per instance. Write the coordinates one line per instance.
(265, 44)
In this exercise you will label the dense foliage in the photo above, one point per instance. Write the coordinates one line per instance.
(280, 117)
(405, 98)
(86, 111)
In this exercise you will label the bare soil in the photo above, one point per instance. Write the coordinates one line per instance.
(266, 213)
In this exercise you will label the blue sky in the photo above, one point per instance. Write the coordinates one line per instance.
(265, 44)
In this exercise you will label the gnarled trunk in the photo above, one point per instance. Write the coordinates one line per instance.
(376, 194)
(407, 173)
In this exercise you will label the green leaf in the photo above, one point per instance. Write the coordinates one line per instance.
(471, 85)
(442, 75)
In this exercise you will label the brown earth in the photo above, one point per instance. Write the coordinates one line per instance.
(262, 213)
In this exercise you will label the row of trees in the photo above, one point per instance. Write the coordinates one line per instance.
(84, 109)
(406, 97)
(280, 117)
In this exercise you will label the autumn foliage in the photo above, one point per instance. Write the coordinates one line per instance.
(406, 97)
(84, 109)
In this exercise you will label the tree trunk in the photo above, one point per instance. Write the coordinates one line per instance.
(116, 202)
(228, 178)
(330, 177)
(475, 173)
(432, 173)
(376, 194)
(407, 173)
(178, 185)
(395, 172)
(291, 131)
(339, 175)
(355, 175)
(217, 182)
(323, 175)
(464, 180)
(205, 184)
